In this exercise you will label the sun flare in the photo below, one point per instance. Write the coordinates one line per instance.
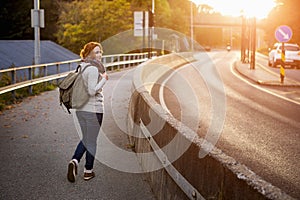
(250, 8)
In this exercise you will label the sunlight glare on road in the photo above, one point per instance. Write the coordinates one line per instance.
(251, 8)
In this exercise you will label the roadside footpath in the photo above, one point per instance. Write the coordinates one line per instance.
(264, 76)
(37, 141)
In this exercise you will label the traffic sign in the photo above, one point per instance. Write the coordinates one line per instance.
(283, 33)
(139, 25)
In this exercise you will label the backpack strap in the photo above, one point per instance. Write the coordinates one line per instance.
(78, 69)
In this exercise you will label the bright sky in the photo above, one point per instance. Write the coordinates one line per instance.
(251, 8)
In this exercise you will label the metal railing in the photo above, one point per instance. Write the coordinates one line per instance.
(30, 75)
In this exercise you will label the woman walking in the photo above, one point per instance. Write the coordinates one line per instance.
(90, 115)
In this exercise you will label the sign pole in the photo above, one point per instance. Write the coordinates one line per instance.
(283, 34)
(282, 66)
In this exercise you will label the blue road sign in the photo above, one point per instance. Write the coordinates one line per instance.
(283, 33)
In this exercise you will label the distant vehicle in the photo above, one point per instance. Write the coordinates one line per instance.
(207, 48)
(228, 47)
(292, 54)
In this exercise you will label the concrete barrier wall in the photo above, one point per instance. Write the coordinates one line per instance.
(168, 150)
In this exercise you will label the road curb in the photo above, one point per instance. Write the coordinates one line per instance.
(268, 82)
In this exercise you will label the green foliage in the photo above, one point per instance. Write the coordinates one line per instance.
(180, 16)
(162, 14)
(92, 20)
(286, 13)
(51, 16)
(4, 80)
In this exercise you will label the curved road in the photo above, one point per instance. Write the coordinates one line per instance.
(256, 128)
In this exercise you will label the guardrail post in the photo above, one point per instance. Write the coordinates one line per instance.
(45, 70)
(134, 58)
(111, 61)
(124, 59)
(13, 81)
(127, 58)
(57, 72)
(45, 74)
(30, 78)
(119, 62)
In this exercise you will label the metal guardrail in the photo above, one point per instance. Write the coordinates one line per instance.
(40, 73)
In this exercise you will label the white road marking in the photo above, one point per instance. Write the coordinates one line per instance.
(263, 89)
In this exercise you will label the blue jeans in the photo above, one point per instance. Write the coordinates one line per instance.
(90, 124)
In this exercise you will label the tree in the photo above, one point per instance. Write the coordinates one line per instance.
(180, 16)
(209, 36)
(51, 16)
(92, 20)
(15, 21)
(162, 11)
(285, 13)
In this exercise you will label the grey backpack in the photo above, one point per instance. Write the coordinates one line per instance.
(72, 90)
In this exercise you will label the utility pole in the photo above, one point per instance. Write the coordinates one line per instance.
(153, 6)
(153, 19)
(144, 31)
(253, 43)
(192, 27)
(151, 16)
(243, 39)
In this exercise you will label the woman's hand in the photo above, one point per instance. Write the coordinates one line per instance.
(104, 75)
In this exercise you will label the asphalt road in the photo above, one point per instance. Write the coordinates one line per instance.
(256, 128)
